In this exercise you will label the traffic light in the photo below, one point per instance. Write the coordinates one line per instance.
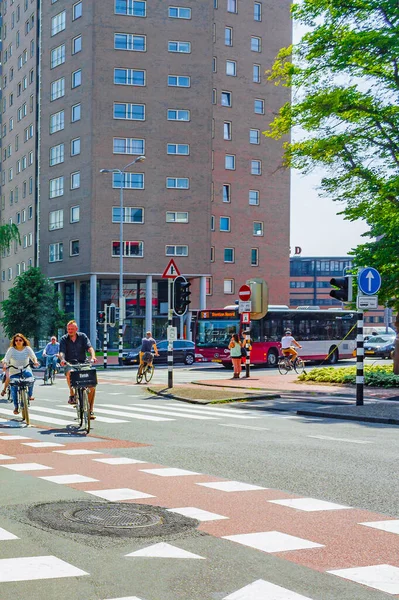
(112, 315)
(101, 317)
(344, 291)
(181, 296)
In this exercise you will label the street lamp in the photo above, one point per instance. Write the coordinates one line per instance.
(122, 173)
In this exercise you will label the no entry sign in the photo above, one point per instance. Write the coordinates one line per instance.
(244, 293)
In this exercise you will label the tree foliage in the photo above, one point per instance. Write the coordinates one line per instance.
(32, 307)
(8, 234)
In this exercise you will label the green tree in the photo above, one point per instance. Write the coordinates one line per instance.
(8, 234)
(32, 307)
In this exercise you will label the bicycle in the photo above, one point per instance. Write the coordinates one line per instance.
(146, 369)
(285, 364)
(49, 374)
(22, 384)
(83, 377)
(7, 392)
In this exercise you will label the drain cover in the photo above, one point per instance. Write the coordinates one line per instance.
(114, 519)
(119, 516)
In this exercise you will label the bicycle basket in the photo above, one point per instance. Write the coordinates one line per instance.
(147, 357)
(84, 378)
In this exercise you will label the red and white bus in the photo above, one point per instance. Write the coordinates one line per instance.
(321, 333)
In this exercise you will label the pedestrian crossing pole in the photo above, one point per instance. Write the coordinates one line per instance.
(359, 360)
(105, 343)
(170, 342)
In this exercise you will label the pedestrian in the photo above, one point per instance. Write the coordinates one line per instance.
(235, 353)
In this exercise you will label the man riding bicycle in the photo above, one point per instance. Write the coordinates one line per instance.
(147, 344)
(287, 346)
(51, 352)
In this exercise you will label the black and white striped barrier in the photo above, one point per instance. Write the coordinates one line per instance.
(105, 348)
(359, 360)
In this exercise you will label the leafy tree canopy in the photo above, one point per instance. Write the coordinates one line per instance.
(32, 307)
(8, 234)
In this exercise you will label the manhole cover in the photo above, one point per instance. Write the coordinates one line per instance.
(119, 516)
(114, 519)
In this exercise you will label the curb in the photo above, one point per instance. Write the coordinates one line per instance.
(311, 413)
(220, 401)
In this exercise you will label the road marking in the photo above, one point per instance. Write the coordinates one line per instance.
(6, 535)
(26, 467)
(76, 452)
(118, 494)
(68, 479)
(6, 438)
(260, 590)
(158, 412)
(197, 513)
(130, 415)
(309, 504)
(334, 439)
(38, 418)
(229, 412)
(71, 413)
(5, 457)
(42, 444)
(169, 472)
(36, 567)
(232, 486)
(391, 526)
(119, 460)
(245, 427)
(272, 541)
(164, 550)
(379, 577)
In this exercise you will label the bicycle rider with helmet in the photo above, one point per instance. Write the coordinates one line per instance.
(287, 346)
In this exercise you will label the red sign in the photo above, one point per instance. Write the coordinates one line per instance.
(171, 270)
(244, 293)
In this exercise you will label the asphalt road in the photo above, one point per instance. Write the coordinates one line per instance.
(350, 465)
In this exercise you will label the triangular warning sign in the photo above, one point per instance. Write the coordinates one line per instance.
(171, 270)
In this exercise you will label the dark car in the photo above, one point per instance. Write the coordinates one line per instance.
(380, 346)
(40, 358)
(183, 352)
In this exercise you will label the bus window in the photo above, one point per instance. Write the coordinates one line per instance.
(255, 330)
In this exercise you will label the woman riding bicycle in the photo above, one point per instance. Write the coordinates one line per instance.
(18, 355)
(287, 348)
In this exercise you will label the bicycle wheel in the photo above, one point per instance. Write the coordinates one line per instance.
(148, 373)
(86, 410)
(9, 399)
(79, 407)
(139, 375)
(299, 365)
(45, 376)
(282, 366)
(52, 375)
(25, 406)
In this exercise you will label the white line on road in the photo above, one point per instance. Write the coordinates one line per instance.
(38, 418)
(230, 412)
(131, 416)
(69, 413)
(245, 427)
(160, 412)
(334, 439)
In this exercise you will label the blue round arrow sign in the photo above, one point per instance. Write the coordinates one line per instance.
(369, 281)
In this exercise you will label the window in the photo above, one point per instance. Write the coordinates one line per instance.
(258, 228)
(56, 187)
(177, 217)
(256, 167)
(259, 107)
(57, 121)
(256, 73)
(227, 130)
(214, 64)
(257, 11)
(212, 223)
(130, 214)
(180, 149)
(254, 257)
(131, 8)
(130, 41)
(76, 11)
(129, 77)
(232, 6)
(77, 44)
(75, 113)
(76, 78)
(231, 68)
(75, 147)
(254, 136)
(56, 155)
(56, 220)
(214, 96)
(129, 112)
(228, 36)
(183, 47)
(176, 250)
(224, 224)
(129, 146)
(55, 252)
(181, 183)
(178, 12)
(130, 181)
(228, 286)
(226, 192)
(57, 89)
(230, 162)
(57, 56)
(74, 248)
(253, 197)
(256, 44)
(130, 249)
(175, 114)
(30, 186)
(58, 23)
(228, 255)
(75, 214)
(9, 273)
(178, 81)
(226, 98)
(75, 180)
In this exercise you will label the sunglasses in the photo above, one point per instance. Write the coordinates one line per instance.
(18, 340)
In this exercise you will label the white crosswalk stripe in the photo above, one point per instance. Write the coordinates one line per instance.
(162, 411)
(132, 416)
(225, 412)
(37, 418)
(69, 413)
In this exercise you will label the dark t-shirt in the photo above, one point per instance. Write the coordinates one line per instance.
(147, 344)
(75, 351)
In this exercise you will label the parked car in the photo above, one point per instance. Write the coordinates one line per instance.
(380, 346)
(183, 352)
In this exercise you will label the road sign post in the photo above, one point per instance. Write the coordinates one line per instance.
(170, 273)
(359, 360)
(105, 342)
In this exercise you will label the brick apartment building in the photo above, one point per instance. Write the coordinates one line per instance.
(90, 85)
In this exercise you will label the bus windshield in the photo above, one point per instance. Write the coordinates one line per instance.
(216, 333)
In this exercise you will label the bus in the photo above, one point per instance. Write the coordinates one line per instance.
(323, 334)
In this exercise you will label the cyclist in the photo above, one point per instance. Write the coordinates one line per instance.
(51, 352)
(73, 347)
(147, 344)
(287, 346)
(18, 355)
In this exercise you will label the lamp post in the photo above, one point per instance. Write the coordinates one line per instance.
(122, 173)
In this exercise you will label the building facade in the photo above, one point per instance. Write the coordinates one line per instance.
(90, 85)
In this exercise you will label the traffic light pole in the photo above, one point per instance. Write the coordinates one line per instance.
(170, 342)
(359, 360)
(105, 344)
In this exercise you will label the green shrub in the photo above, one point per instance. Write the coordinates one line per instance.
(374, 375)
